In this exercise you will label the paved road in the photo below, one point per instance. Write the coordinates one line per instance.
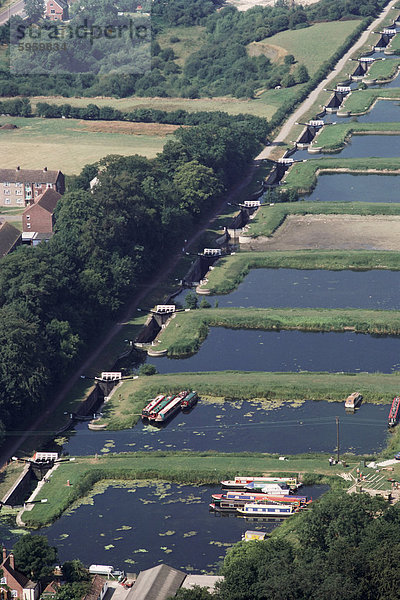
(307, 104)
(14, 9)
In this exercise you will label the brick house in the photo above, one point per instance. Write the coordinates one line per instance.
(56, 10)
(39, 216)
(10, 238)
(19, 187)
(14, 584)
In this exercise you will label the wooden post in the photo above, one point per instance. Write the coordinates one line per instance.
(337, 438)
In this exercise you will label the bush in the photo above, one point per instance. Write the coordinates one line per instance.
(148, 370)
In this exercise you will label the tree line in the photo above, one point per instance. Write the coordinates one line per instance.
(21, 107)
(56, 297)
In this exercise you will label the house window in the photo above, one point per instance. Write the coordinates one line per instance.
(52, 11)
(7, 184)
(7, 201)
(3, 580)
(38, 185)
(49, 185)
(6, 191)
(14, 594)
(20, 201)
(28, 217)
(28, 225)
(18, 184)
(18, 192)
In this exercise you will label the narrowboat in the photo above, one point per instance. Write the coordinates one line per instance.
(151, 405)
(189, 401)
(170, 409)
(241, 482)
(268, 510)
(262, 497)
(159, 407)
(278, 489)
(394, 412)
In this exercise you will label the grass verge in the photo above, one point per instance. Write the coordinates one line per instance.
(334, 138)
(187, 330)
(230, 271)
(382, 70)
(360, 101)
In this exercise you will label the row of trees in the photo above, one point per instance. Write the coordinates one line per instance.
(258, 125)
(54, 298)
(344, 547)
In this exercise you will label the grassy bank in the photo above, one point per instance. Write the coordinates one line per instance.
(73, 143)
(303, 176)
(384, 69)
(179, 467)
(186, 331)
(360, 101)
(123, 410)
(333, 138)
(269, 218)
(230, 271)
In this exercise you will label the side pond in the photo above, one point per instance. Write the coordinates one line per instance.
(137, 526)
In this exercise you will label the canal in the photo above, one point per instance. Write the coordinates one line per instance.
(308, 288)
(240, 426)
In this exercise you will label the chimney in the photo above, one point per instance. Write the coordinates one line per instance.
(18, 168)
(4, 554)
(11, 557)
(45, 169)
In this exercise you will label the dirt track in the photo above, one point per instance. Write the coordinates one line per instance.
(333, 232)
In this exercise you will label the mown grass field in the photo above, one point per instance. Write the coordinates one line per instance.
(230, 271)
(310, 46)
(187, 330)
(190, 467)
(303, 176)
(334, 138)
(360, 101)
(384, 69)
(269, 218)
(67, 144)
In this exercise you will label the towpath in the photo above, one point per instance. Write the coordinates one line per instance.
(312, 98)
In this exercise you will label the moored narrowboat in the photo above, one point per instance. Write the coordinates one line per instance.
(151, 405)
(152, 416)
(268, 510)
(241, 482)
(394, 412)
(189, 401)
(170, 409)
